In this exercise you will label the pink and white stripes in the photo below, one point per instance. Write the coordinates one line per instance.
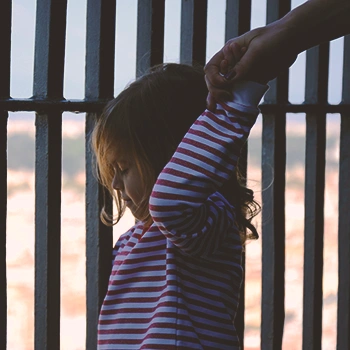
(176, 286)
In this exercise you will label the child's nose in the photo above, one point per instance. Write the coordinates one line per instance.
(117, 184)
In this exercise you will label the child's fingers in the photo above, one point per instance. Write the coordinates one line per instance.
(215, 97)
(211, 102)
(216, 94)
(230, 75)
(217, 91)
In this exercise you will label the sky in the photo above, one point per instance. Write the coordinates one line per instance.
(23, 37)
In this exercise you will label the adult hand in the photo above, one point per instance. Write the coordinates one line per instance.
(266, 51)
(275, 47)
(217, 70)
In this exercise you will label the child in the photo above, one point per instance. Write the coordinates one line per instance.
(177, 272)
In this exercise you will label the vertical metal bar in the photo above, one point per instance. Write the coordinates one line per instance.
(273, 230)
(100, 47)
(315, 92)
(273, 203)
(193, 31)
(237, 22)
(238, 13)
(48, 83)
(5, 44)
(150, 34)
(239, 321)
(47, 230)
(99, 83)
(343, 334)
(50, 38)
(3, 212)
(98, 243)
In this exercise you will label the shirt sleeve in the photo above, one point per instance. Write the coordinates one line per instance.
(185, 203)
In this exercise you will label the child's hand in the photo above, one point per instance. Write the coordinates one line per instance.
(219, 68)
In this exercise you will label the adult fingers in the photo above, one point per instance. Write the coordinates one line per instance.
(243, 68)
(212, 70)
(234, 53)
(224, 67)
(229, 55)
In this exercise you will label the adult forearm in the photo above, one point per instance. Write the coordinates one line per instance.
(316, 21)
(270, 49)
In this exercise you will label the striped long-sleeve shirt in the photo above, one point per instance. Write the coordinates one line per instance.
(176, 285)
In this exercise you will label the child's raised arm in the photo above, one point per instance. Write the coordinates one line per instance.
(186, 203)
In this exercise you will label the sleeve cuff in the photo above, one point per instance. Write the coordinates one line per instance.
(248, 93)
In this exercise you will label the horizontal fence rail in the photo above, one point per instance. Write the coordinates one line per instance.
(96, 105)
(49, 103)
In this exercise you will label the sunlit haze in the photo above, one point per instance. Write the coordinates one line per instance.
(21, 150)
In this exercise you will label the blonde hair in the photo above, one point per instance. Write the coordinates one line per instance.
(146, 122)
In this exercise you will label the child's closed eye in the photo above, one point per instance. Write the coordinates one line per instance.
(123, 172)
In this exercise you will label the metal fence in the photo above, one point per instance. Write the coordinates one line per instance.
(49, 104)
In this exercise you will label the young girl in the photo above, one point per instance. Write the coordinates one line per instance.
(177, 272)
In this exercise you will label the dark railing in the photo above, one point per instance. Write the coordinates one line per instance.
(48, 103)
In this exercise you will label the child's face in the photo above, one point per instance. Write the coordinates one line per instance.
(127, 179)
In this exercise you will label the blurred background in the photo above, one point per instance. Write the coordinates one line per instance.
(21, 154)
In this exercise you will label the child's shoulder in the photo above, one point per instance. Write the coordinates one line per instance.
(124, 238)
(126, 235)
